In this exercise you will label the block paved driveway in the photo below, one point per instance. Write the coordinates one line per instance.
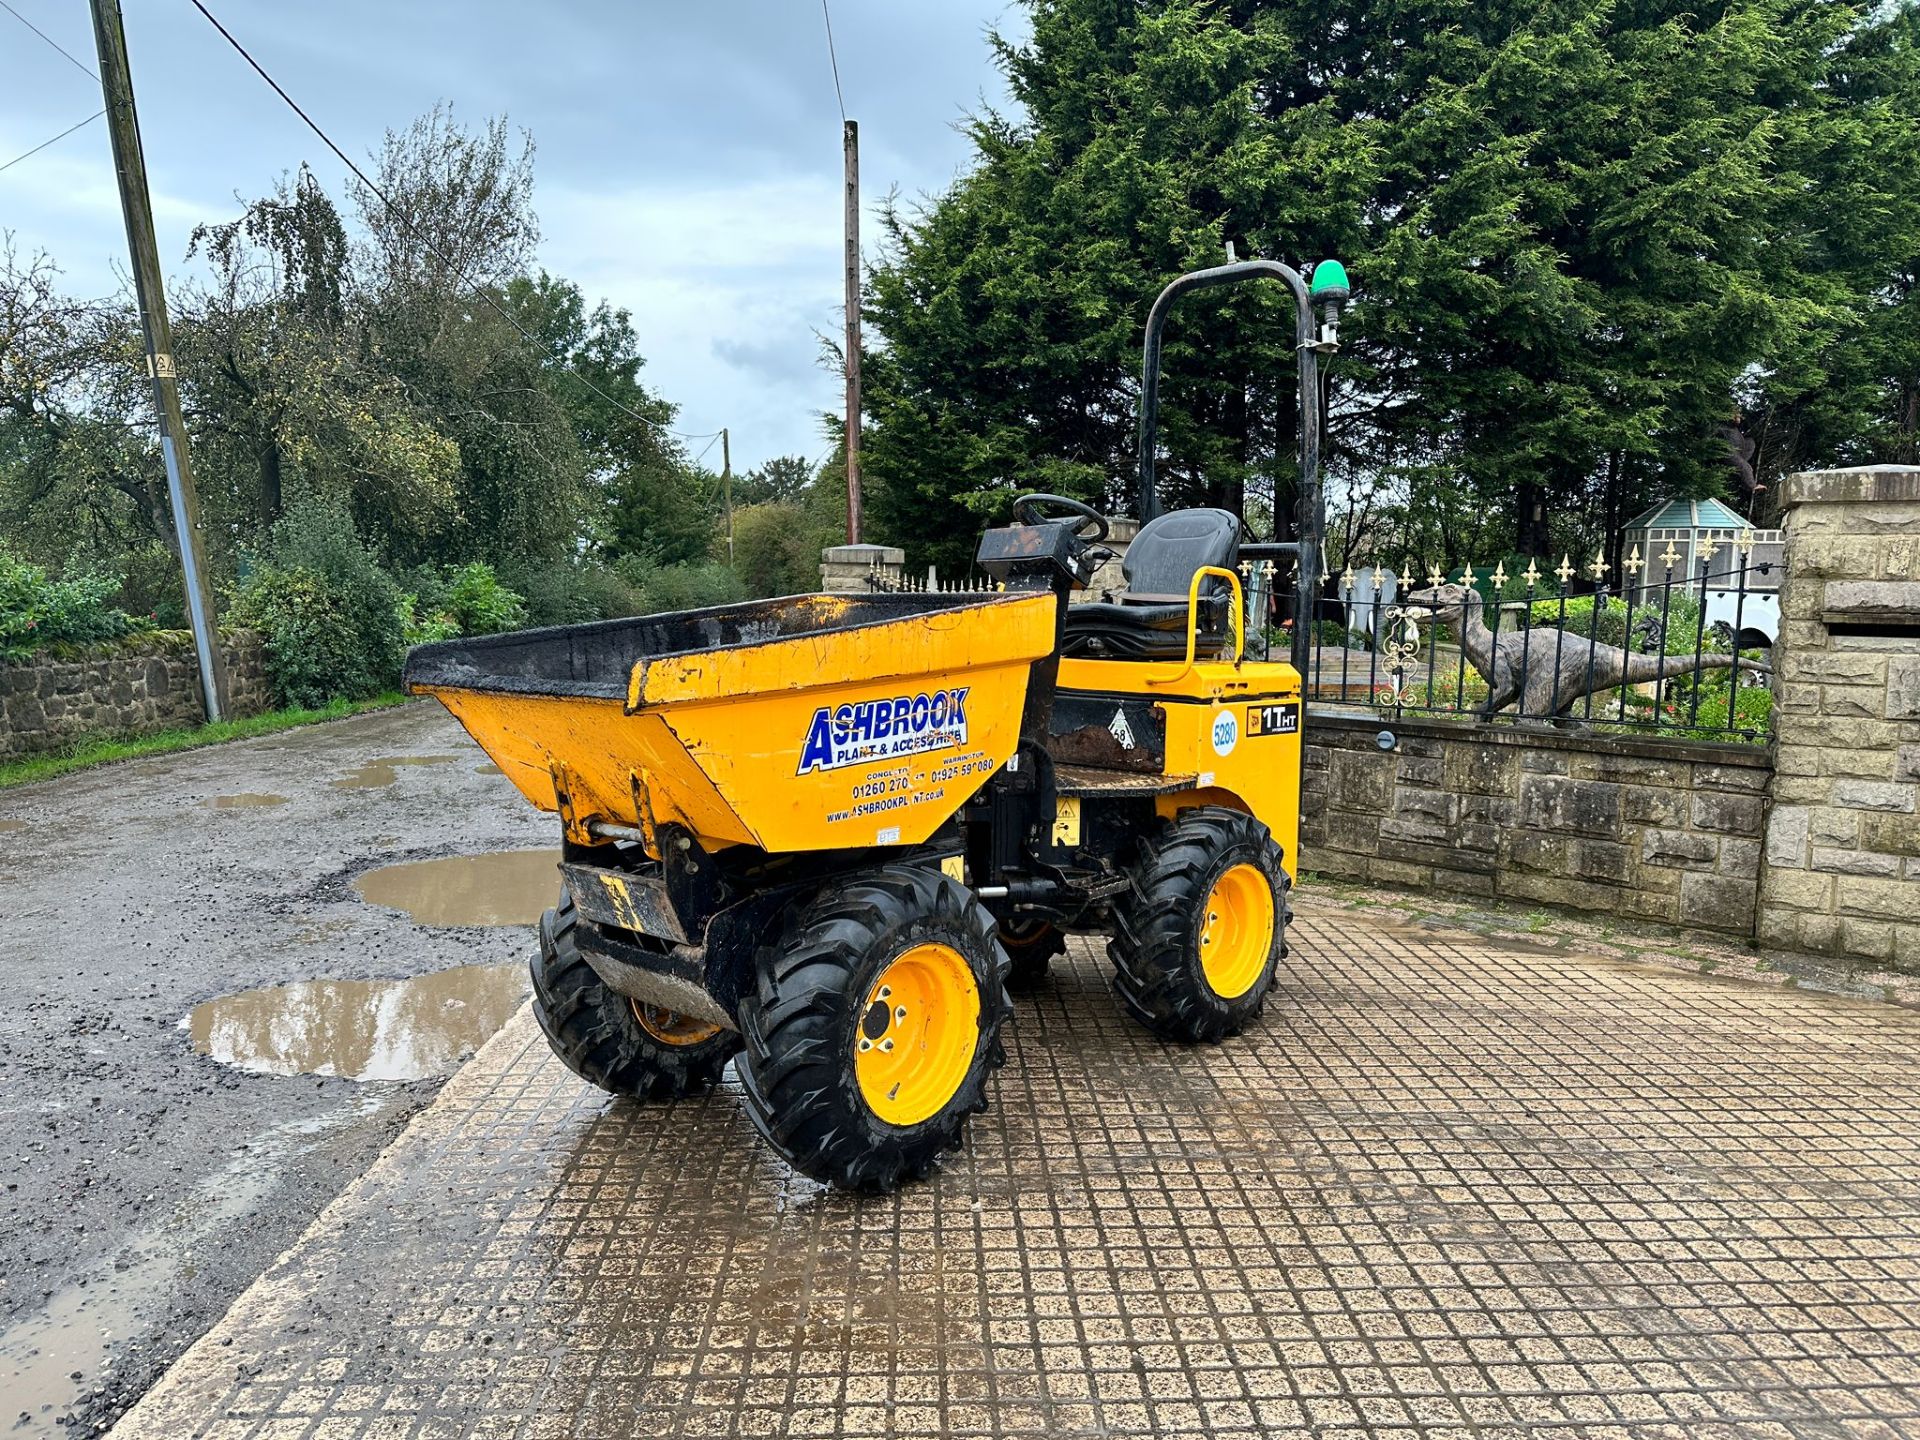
(1448, 1187)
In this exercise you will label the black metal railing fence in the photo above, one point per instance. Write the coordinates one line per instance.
(1686, 653)
(1672, 648)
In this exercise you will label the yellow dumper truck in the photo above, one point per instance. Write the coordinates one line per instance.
(824, 833)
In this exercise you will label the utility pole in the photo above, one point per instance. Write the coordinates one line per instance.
(853, 331)
(726, 485)
(130, 166)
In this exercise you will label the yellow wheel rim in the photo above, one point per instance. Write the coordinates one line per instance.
(670, 1027)
(914, 1040)
(1236, 932)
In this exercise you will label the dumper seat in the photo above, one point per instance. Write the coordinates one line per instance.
(1148, 620)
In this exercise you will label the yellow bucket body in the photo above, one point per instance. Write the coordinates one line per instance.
(873, 733)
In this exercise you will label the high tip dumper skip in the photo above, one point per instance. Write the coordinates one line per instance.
(824, 834)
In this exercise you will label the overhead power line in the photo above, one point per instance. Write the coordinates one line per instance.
(45, 143)
(51, 41)
(832, 58)
(395, 211)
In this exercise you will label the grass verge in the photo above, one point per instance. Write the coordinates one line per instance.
(85, 754)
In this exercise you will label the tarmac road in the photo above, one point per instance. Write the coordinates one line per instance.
(145, 1185)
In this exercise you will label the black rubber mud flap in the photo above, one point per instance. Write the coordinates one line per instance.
(810, 1007)
(600, 1035)
(1031, 945)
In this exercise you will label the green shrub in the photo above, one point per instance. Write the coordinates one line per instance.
(1545, 615)
(151, 585)
(1682, 620)
(1752, 709)
(568, 593)
(479, 604)
(37, 611)
(459, 600)
(333, 619)
(422, 623)
(691, 587)
(600, 594)
(679, 587)
(1752, 705)
(321, 645)
(777, 545)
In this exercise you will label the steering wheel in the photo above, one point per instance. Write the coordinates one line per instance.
(1090, 525)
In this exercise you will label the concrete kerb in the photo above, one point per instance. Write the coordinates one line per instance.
(183, 1399)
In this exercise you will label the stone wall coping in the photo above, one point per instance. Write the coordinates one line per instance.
(1705, 752)
(1858, 485)
(864, 554)
(133, 645)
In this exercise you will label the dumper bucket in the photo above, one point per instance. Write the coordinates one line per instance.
(815, 722)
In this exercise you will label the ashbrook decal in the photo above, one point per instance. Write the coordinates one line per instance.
(885, 729)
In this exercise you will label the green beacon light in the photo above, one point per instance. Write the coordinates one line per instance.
(1330, 291)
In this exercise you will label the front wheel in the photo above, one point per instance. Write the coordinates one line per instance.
(873, 1026)
(624, 1046)
(1199, 932)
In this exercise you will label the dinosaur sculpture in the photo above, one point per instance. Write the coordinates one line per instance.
(1545, 673)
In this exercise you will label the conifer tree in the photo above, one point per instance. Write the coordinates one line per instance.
(1581, 233)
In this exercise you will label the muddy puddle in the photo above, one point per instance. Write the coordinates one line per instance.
(509, 887)
(8, 827)
(378, 774)
(246, 802)
(360, 1029)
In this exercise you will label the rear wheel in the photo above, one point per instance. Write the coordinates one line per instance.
(873, 1026)
(624, 1046)
(1198, 934)
(1031, 944)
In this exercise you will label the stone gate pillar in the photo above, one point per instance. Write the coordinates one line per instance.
(1841, 870)
(847, 568)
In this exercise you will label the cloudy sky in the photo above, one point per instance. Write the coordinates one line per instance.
(688, 150)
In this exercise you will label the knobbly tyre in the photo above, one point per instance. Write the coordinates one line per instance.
(824, 833)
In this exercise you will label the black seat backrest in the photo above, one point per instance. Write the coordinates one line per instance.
(1170, 547)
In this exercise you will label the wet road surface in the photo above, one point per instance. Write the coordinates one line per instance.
(146, 1182)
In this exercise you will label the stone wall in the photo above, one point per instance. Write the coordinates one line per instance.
(1646, 829)
(133, 687)
(1842, 863)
